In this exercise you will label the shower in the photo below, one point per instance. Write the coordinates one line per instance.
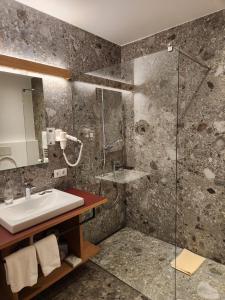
(164, 132)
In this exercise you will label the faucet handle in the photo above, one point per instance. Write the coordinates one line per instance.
(29, 185)
(28, 189)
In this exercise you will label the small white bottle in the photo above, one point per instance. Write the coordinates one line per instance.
(8, 192)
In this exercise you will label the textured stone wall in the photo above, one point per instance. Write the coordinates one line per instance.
(39, 111)
(151, 201)
(30, 34)
(88, 114)
(201, 160)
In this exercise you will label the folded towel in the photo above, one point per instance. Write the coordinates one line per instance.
(73, 260)
(48, 254)
(6, 274)
(22, 269)
(187, 262)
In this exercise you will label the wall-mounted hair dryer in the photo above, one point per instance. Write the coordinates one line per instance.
(58, 135)
(62, 137)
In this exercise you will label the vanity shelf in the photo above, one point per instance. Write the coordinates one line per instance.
(89, 251)
(77, 245)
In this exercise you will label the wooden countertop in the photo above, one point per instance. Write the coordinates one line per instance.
(90, 201)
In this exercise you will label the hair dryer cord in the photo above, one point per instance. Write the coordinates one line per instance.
(79, 156)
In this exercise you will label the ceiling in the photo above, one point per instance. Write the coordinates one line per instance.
(124, 21)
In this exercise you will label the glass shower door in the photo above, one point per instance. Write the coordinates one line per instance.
(200, 185)
(141, 253)
(151, 200)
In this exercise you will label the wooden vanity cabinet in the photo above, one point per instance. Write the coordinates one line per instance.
(69, 225)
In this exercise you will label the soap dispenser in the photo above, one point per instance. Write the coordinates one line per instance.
(8, 192)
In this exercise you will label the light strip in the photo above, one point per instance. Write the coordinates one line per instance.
(105, 87)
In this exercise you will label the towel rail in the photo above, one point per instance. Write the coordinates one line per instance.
(91, 218)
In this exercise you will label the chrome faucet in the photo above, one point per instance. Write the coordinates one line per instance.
(28, 190)
(116, 166)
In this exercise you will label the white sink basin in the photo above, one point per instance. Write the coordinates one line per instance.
(24, 213)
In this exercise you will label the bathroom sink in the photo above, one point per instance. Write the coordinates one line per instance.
(24, 213)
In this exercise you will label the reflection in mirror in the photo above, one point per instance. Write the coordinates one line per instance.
(22, 120)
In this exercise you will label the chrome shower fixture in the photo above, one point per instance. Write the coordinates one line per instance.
(170, 48)
(28, 90)
(110, 146)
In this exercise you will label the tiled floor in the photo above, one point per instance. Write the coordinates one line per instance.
(91, 282)
(144, 263)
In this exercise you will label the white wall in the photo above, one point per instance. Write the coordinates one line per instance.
(16, 120)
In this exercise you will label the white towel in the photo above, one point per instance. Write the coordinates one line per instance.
(48, 254)
(22, 269)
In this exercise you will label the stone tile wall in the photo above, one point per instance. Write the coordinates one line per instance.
(201, 144)
(29, 34)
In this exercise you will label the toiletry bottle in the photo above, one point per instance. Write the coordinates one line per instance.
(8, 192)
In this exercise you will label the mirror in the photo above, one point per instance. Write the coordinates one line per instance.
(22, 120)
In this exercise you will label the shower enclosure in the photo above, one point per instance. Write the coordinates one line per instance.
(157, 144)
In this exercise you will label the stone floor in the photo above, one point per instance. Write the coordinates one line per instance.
(143, 263)
(134, 266)
(91, 282)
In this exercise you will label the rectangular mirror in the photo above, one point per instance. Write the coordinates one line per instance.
(22, 120)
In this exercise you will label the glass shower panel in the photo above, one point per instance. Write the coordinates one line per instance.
(154, 139)
(200, 198)
(113, 123)
(151, 148)
(123, 72)
(146, 121)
